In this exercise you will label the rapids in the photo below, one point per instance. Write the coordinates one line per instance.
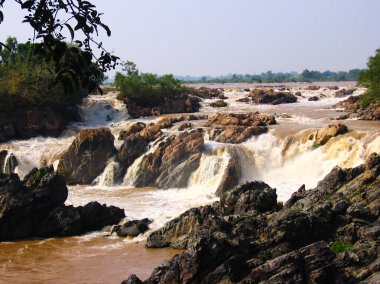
(285, 158)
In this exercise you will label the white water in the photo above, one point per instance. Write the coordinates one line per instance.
(268, 158)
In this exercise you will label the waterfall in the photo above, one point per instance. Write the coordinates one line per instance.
(110, 175)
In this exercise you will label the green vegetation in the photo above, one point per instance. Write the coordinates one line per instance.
(339, 246)
(26, 76)
(370, 78)
(269, 77)
(146, 89)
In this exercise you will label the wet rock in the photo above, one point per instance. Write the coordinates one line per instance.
(206, 93)
(173, 161)
(333, 87)
(133, 147)
(87, 156)
(324, 134)
(35, 208)
(231, 175)
(8, 162)
(264, 96)
(151, 132)
(235, 134)
(313, 99)
(133, 228)
(218, 103)
(353, 104)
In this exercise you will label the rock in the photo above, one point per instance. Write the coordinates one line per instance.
(324, 134)
(8, 162)
(218, 103)
(132, 129)
(231, 175)
(333, 87)
(237, 128)
(313, 88)
(344, 93)
(243, 100)
(353, 104)
(28, 120)
(179, 103)
(250, 196)
(248, 237)
(133, 228)
(298, 94)
(206, 93)
(173, 161)
(313, 99)
(35, 208)
(185, 125)
(263, 96)
(133, 147)
(87, 156)
(151, 132)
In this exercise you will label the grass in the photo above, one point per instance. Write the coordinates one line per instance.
(340, 246)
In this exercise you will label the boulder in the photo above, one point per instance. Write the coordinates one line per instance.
(218, 103)
(35, 208)
(313, 88)
(324, 134)
(265, 96)
(87, 156)
(313, 99)
(243, 100)
(344, 93)
(132, 129)
(132, 228)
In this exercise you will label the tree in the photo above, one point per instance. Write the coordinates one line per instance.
(51, 20)
(370, 78)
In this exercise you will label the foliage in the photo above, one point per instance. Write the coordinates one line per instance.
(51, 21)
(339, 246)
(27, 75)
(146, 89)
(270, 77)
(370, 78)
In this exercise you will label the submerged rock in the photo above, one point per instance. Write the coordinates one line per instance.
(35, 208)
(218, 103)
(87, 156)
(132, 228)
(325, 235)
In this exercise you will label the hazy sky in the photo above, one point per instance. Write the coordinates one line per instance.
(214, 37)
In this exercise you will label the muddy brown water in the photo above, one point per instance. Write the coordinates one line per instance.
(77, 260)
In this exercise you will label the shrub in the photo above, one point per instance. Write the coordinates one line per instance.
(370, 78)
(339, 246)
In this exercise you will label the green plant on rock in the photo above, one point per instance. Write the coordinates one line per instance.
(340, 246)
(370, 78)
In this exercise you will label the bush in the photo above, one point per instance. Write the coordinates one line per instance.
(146, 89)
(27, 77)
(339, 246)
(370, 78)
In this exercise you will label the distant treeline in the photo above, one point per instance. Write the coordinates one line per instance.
(270, 77)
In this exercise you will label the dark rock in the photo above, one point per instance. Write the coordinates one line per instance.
(344, 93)
(36, 208)
(263, 96)
(8, 162)
(87, 156)
(243, 100)
(218, 103)
(313, 99)
(313, 88)
(133, 228)
(184, 126)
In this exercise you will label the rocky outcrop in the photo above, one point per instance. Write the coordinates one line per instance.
(206, 93)
(180, 103)
(35, 208)
(324, 134)
(269, 96)
(237, 128)
(344, 93)
(218, 103)
(27, 120)
(313, 88)
(354, 106)
(87, 156)
(172, 162)
(313, 99)
(325, 235)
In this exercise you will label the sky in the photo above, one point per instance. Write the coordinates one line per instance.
(219, 37)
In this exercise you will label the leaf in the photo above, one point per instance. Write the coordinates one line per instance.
(70, 30)
(27, 4)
